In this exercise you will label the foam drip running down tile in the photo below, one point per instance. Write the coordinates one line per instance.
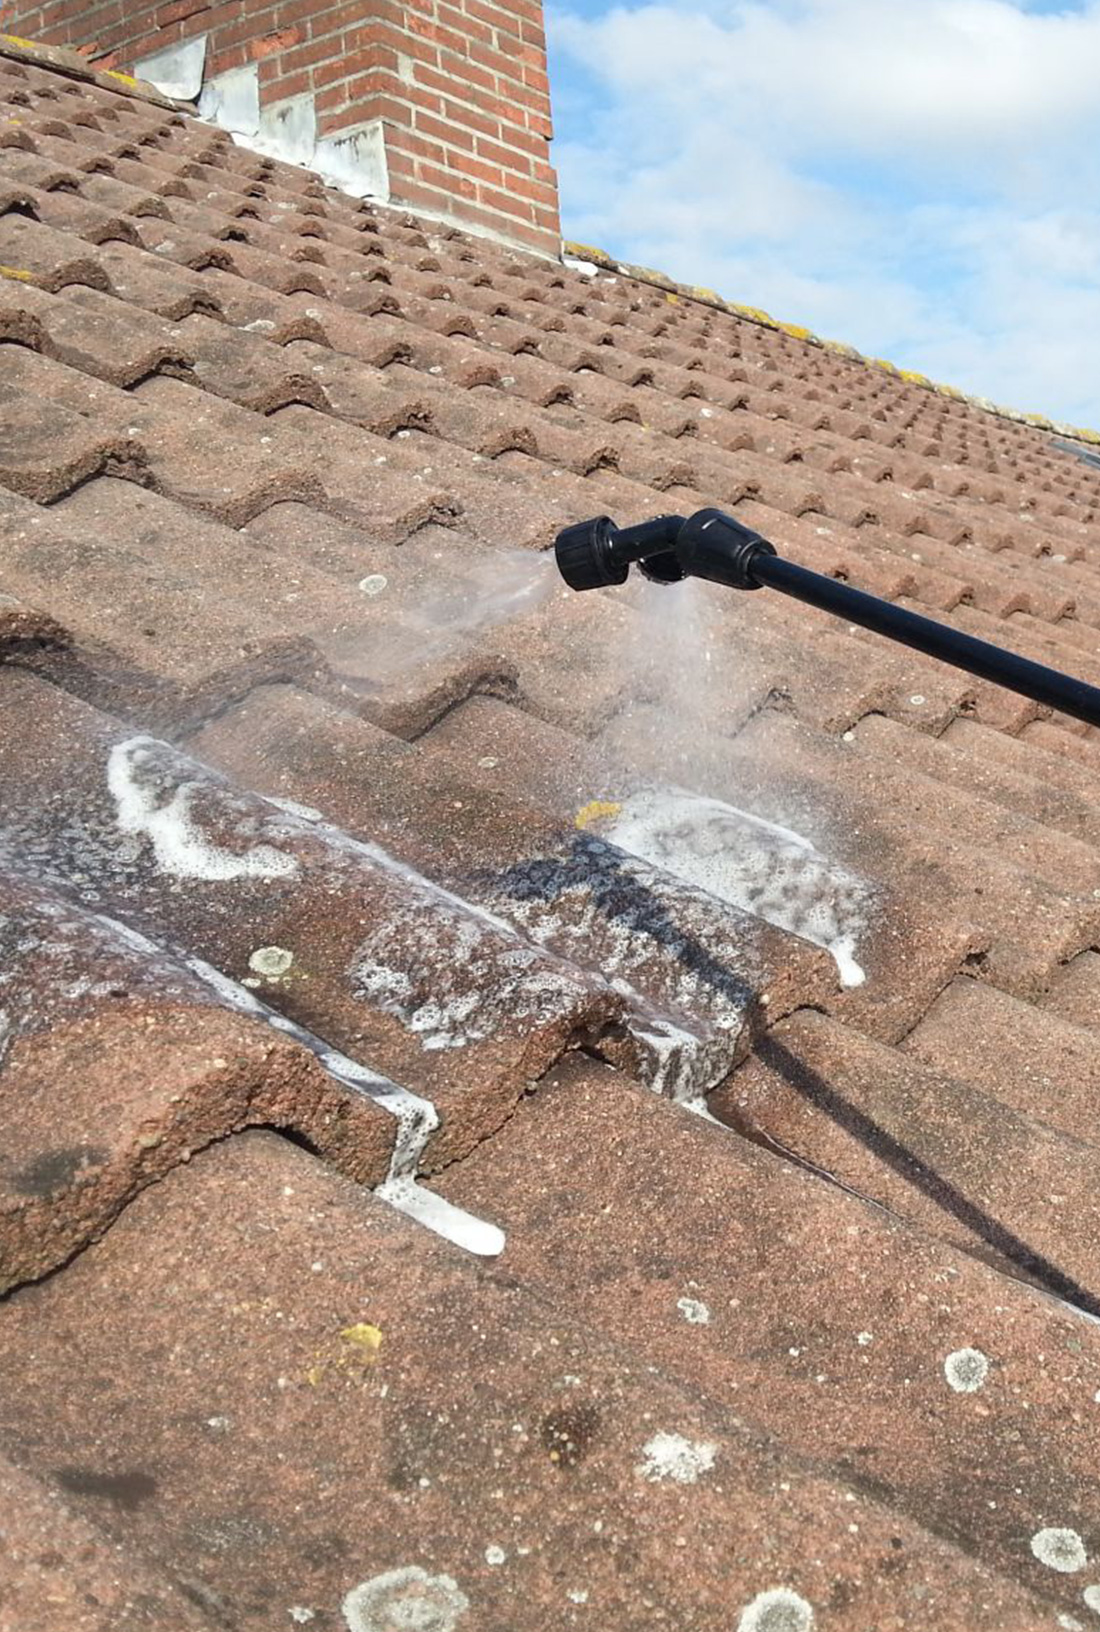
(334, 1374)
(881, 1350)
(693, 974)
(387, 967)
(116, 1062)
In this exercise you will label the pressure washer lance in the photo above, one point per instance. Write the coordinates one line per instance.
(709, 544)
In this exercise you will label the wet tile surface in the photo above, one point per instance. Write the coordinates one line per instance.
(368, 901)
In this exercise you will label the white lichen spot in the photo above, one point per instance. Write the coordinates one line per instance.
(374, 584)
(1091, 1596)
(1061, 1550)
(1070, 1623)
(777, 1610)
(273, 962)
(300, 1615)
(495, 1555)
(694, 1312)
(671, 1456)
(408, 1598)
(865, 1338)
(966, 1370)
(149, 809)
(577, 1595)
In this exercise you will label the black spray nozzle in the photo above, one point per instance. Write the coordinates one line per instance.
(594, 554)
(712, 545)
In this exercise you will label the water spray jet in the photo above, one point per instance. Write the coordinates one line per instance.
(596, 554)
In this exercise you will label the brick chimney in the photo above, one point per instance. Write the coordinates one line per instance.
(443, 105)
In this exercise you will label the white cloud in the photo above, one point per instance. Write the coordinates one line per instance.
(919, 180)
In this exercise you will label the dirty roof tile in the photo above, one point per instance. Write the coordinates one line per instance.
(427, 842)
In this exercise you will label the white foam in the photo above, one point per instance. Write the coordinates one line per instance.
(417, 1119)
(180, 847)
(753, 864)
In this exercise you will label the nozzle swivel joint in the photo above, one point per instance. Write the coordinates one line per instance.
(710, 544)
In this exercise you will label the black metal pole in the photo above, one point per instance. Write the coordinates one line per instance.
(977, 657)
(712, 545)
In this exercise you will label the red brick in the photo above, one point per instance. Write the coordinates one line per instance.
(453, 135)
(463, 23)
(539, 192)
(506, 203)
(503, 156)
(490, 173)
(305, 55)
(179, 11)
(223, 61)
(269, 45)
(496, 62)
(277, 87)
(325, 73)
(493, 16)
(446, 181)
(470, 119)
(406, 141)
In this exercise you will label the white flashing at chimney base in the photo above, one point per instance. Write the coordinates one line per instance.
(288, 130)
(232, 100)
(178, 70)
(354, 160)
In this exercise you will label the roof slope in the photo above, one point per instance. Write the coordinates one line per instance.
(340, 846)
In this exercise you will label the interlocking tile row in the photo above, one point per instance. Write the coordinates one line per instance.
(361, 1428)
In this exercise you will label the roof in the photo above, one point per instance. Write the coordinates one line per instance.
(521, 1109)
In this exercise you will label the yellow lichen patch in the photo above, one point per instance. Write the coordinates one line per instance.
(796, 331)
(596, 810)
(18, 273)
(352, 1352)
(755, 313)
(587, 252)
(951, 391)
(1040, 420)
(14, 39)
(914, 378)
(1085, 434)
(675, 299)
(365, 1340)
(699, 292)
(113, 73)
(883, 363)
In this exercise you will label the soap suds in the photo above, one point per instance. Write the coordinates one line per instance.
(417, 1120)
(151, 808)
(753, 864)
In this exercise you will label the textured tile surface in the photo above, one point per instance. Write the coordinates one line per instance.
(368, 901)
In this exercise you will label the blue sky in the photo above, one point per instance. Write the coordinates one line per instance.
(920, 178)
